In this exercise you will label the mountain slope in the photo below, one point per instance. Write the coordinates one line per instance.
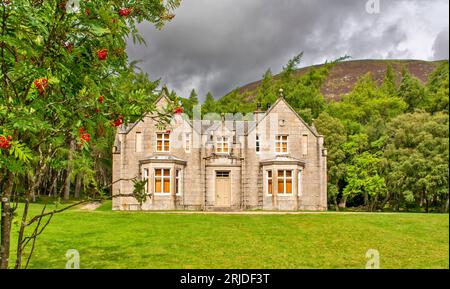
(344, 75)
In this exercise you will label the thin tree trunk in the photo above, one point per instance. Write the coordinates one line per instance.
(52, 190)
(69, 172)
(336, 204)
(21, 233)
(78, 186)
(366, 200)
(386, 199)
(373, 204)
(343, 202)
(6, 222)
(397, 204)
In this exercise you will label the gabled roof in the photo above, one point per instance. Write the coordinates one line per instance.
(281, 99)
(129, 127)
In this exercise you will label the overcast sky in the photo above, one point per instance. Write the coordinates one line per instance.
(218, 45)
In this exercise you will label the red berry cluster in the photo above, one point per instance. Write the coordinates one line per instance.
(5, 143)
(100, 101)
(102, 54)
(124, 12)
(41, 84)
(179, 110)
(118, 121)
(84, 136)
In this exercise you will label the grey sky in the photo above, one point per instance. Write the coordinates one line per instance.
(218, 45)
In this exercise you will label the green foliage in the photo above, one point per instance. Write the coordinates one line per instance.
(66, 85)
(266, 91)
(386, 156)
(190, 103)
(335, 138)
(209, 106)
(139, 191)
(360, 130)
(43, 40)
(389, 86)
(290, 68)
(438, 89)
(417, 159)
(412, 92)
(363, 177)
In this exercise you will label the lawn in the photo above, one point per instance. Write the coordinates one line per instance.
(107, 239)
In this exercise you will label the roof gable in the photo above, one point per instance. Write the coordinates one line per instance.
(279, 101)
(162, 101)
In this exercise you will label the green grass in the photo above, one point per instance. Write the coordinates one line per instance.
(107, 239)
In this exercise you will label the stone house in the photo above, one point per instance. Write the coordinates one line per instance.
(268, 160)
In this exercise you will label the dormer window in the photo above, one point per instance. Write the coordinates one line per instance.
(222, 145)
(163, 142)
(281, 144)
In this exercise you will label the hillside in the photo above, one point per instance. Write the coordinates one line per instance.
(344, 75)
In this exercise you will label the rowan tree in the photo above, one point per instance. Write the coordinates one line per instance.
(64, 73)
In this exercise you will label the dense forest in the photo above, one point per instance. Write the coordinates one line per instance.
(388, 143)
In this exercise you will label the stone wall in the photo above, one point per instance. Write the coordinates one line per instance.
(200, 164)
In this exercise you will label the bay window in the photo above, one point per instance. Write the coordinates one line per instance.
(178, 182)
(162, 181)
(269, 183)
(284, 182)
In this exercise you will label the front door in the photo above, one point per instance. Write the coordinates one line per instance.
(223, 189)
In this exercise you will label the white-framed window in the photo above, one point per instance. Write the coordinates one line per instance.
(187, 142)
(284, 182)
(162, 181)
(281, 144)
(138, 142)
(145, 178)
(163, 142)
(178, 182)
(258, 144)
(299, 184)
(305, 144)
(269, 182)
(222, 145)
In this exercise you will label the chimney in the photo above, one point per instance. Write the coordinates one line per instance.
(258, 114)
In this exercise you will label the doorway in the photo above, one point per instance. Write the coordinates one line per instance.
(223, 189)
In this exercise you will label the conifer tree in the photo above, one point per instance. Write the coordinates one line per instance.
(209, 105)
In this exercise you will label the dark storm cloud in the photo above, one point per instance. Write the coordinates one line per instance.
(222, 44)
(440, 47)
